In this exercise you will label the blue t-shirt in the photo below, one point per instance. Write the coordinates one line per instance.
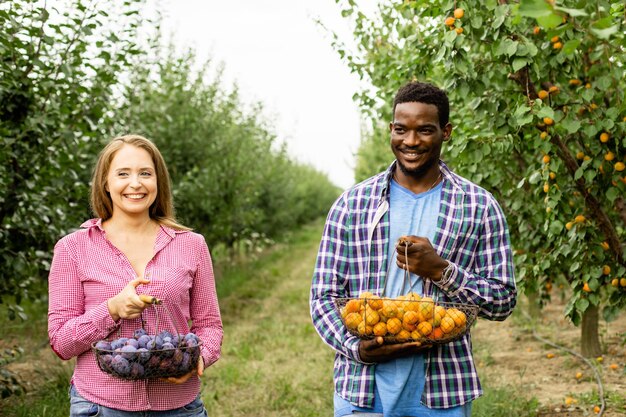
(400, 382)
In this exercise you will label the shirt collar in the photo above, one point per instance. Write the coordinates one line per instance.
(97, 223)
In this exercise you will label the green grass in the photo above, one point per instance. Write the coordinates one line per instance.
(504, 402)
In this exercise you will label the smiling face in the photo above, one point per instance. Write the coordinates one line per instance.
(132, 181)
(416, 139)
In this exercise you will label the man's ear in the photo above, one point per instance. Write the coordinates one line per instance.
(447, 132)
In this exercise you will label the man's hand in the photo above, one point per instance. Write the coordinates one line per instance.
(127, 304)
(198, 371)
(376, 351)
(418, 255)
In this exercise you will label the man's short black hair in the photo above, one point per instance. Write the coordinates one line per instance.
(424, 93)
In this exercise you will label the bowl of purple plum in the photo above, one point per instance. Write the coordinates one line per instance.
(145, 356)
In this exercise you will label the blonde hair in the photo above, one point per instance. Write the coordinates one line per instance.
(162, 210)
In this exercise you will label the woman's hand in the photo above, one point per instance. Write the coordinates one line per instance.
(127, 304)
(198, 371)
(376, 351)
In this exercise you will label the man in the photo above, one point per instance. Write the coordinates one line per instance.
(459, 251)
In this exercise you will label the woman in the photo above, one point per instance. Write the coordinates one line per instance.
(134, 246)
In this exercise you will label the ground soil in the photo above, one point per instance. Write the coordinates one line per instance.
(507, 353)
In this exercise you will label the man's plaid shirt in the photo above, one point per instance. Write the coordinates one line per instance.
(472, 233)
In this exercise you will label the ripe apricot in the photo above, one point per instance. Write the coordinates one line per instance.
(553, 89)
(425, 328)
(579, 375)
(353, 320)
(586, 287)
(449, 21)
(613, 366)
(548, 121)
(458, 30)
(580, 155)
(550, 355)
(604, 137)
(609, 156)
(543, 94)
(569, 225)
(575, 81)
(543, 135)
(380, 329)
(552, 175)
(536, 30)
(546, 159)
(459, 13)
(394, 325)
(605, 245)
(580, 218)
(622, 282)
(615, 282)
(554, 39)
(375, 302)
(447, 324)
(619, 166)
(606, 270)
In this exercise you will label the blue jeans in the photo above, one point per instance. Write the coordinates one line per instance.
(80, 407)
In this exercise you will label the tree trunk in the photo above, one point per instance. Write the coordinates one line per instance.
(534, 309)
(590, 342)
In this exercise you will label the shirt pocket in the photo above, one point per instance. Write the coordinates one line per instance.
(171, 284)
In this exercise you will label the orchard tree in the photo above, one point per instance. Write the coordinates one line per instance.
(537, 91)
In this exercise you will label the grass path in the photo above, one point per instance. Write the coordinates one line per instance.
(273, 363)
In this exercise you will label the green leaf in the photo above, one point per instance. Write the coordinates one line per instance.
(519, 63)
(590, 174)
(572, 126)
(571, 12)
(556, 227)
(534, 8)
(579, 173)
(546, 111)
(604, 28)
(612, 193)
(550, 21)
(582, 304)
(570, 46)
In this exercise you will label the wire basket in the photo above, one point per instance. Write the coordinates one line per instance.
(409, 318)
(143, 356)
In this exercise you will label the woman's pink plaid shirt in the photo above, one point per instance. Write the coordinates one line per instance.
(87, 270)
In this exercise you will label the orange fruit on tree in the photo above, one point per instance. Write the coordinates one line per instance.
(609, 156)
(569, 225)
(458, 30)
(536, 30)
(459, 13)
(553, 89)
(447, 324)
(449, 21)
(554, 39)
(605, 245)
(619, 166)
(552, 175)
(424, 328)
(380, 329)
(622, 282)
(604, 137)
(586, 287)
(580, 218)
(606, 270)
(557, 45)
(575, 81)
(546, 187)
(394, 325)
(546, 159)
(615, 282)
(580, 155)
(543, 94)
(543, 135)
(548, 121)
